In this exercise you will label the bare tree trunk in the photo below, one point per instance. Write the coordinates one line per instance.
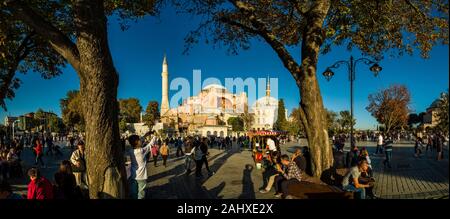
(98, 87)
(312, 112)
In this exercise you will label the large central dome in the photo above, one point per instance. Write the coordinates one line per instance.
(213, 86)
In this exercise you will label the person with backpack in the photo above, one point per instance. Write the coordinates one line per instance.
(164, 151)
(78, 163)
(39, 187)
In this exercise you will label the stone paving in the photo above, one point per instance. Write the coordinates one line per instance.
(237, 178)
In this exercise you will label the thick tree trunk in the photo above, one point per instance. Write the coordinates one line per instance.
(312, 112)
(98, 87)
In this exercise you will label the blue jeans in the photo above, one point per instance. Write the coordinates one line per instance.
(137, 188)
(360, 191)
(388, 158)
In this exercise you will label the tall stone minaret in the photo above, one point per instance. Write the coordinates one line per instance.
(165, 87)
(268, 87)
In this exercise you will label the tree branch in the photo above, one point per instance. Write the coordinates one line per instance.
(262, 30)
(59, 41)
(22, 52)
(416, 8)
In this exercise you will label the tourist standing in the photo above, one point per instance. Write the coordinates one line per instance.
(155, 152)
(138, 167)
(418, 147)
(198, 157)
(179, 145)
(164, 151)
(388, 152)
(78, 162)
(39, 187)
(205, 153)
(439, 139)
(379, 144)
(39, 152)
(49, 142)
(189, 156)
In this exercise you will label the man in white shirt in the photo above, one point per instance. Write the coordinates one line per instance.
(138, 166)
(379, 144)
(271, 145)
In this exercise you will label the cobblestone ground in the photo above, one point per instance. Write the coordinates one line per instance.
(236, 177)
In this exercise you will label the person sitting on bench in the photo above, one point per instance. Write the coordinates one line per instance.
(292, 176)
(351, 179)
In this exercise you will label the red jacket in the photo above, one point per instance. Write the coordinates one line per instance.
(38, 149)
(40, 189)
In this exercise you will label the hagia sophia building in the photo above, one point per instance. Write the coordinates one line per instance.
(207, 113)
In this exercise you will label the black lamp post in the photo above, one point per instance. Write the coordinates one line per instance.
(351, 65)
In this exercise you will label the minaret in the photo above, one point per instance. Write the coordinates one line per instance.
(165, 87)
(268, 87)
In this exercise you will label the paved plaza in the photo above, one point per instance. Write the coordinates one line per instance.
(237, 178)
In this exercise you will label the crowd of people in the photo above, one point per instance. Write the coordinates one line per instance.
(280, 170)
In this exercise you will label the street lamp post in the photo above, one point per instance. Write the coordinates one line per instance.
(351, 65)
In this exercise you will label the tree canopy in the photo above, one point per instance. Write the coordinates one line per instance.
(237, 123)
(443, 110)
(281, 123)
(151, 114)
(72, 112)
(130, 109)
(391, 106)
(40, 36)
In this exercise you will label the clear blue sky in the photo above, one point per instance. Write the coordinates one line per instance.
(138, 54)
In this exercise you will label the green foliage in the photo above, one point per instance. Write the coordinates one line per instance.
(236, 123)
(345, 121)
(123, 127)
(443, 110)
(295, 126)
(332, 122)
(151, 113)
(248, 120)
(374, 27)
(24, 49)
(72, 111)
(281, 123)
(130, 109)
